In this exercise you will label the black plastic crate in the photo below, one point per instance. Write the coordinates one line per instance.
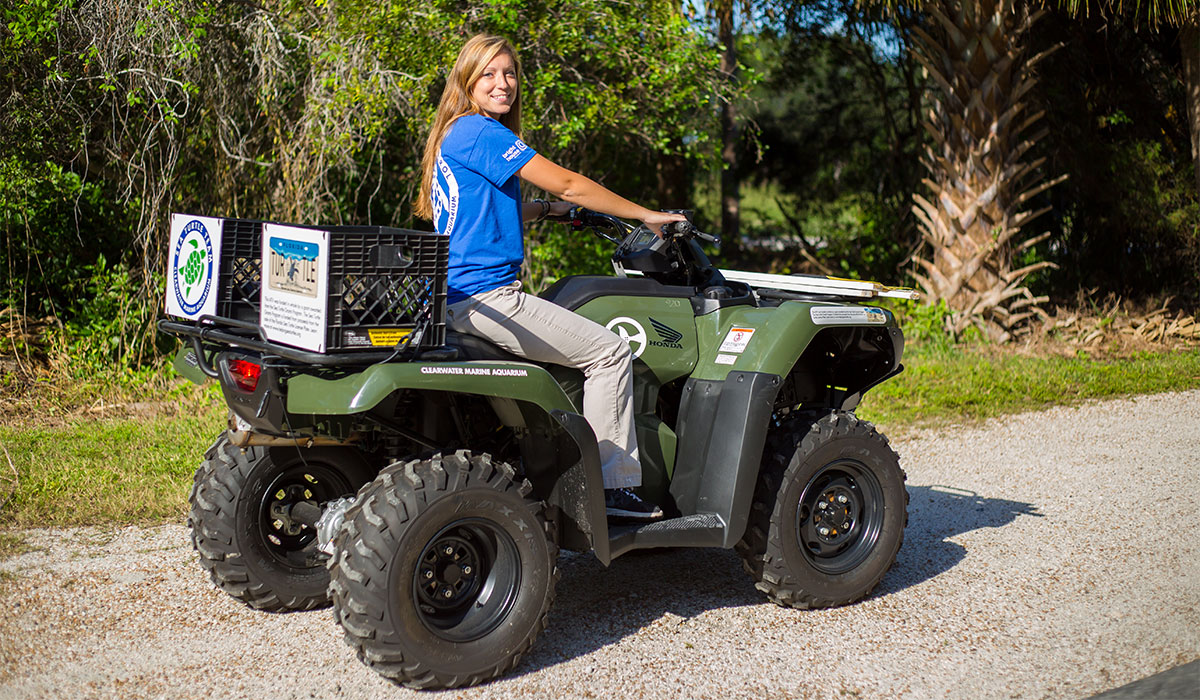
(382, 282)
(239, 280)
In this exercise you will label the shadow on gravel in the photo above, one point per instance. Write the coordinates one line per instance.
(596, 607)
(935, 514)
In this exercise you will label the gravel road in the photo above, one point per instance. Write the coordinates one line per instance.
(1051, 554)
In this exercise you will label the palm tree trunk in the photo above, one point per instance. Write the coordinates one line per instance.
(730, 133)
(1189, 39)
(980, 177)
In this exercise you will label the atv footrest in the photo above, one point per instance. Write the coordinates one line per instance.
(699, 530)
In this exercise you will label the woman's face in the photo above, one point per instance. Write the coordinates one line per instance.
(496, 89)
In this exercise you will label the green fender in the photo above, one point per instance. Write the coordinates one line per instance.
(575, 487)
(777, 336)
(363, 390)
(188, 367)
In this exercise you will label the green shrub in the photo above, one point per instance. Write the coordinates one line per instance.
(110, 323)
(55, 225)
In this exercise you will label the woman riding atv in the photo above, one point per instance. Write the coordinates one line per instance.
(470, 189)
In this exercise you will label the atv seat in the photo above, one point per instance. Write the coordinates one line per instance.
(473, 347)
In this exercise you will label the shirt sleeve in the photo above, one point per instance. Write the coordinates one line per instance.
(498, 153)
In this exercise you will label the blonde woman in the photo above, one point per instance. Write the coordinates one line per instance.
(470, 188)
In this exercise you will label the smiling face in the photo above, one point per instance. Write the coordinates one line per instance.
(496, 89)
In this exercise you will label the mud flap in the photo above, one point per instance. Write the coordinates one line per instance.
(579, 490)
(722, 429)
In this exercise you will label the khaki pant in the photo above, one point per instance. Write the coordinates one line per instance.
(538, 330)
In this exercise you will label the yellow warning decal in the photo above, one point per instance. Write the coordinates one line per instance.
(387, 336)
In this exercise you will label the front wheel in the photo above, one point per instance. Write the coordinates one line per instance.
(829, 513)
(444, 571)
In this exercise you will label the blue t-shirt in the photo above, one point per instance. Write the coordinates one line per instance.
(477, 202)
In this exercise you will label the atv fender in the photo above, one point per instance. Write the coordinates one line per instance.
(792, 331)
(364, 390)
(575, 485)
(189, 367)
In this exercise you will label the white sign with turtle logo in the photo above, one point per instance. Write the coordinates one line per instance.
(192, 264)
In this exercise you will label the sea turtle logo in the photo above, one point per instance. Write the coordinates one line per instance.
(631, 332)
(192, 268)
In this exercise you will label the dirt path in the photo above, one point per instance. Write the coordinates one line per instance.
(1054, 554)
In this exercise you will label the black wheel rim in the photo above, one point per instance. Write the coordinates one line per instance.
(466, 580)
(839, 517)
(284, 539)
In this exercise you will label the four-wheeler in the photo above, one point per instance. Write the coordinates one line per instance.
(424, 488)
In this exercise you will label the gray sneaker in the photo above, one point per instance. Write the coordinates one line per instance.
(625, 504)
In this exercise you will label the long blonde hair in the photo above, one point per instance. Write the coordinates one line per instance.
(474, 57)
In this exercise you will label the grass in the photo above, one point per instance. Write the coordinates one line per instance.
(106, 472)
(965, 384)
(124, 471)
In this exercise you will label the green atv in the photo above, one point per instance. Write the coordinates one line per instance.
(424, 482)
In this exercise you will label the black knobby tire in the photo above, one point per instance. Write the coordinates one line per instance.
(829, 512)
(248, 551)
(444, 571)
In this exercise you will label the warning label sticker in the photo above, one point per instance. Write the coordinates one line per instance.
(388, 336)
(736, 339)
(726, 359)
(835, 315)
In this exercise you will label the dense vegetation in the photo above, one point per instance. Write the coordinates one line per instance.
(117, 112)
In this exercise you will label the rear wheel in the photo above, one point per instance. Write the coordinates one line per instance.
(829, 513)
(444, 571)
(241, 526)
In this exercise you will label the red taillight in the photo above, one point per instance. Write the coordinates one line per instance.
(245, 374)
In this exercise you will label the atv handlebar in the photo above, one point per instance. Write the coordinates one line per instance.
(579, 217)
(687, 229)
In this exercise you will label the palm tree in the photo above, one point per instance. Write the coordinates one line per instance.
(1189, 38)
(981, 120)
(981, 177)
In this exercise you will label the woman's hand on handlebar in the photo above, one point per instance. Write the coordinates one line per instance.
(559, 210)
(654, 220)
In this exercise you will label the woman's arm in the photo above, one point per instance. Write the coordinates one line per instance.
(576, 188)
(532, 211)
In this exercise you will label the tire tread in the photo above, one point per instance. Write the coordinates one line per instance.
(359, 600)
(761, 548)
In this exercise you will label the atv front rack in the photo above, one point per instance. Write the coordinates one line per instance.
(815, 284)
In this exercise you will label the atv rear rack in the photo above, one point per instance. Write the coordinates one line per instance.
(249, 336)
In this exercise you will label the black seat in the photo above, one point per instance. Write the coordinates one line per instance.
(472, 347)
(575, 291)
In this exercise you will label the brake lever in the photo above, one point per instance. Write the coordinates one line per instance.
(578, 218)
(575, 218)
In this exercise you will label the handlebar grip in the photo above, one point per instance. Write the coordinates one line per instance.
(708, 238)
